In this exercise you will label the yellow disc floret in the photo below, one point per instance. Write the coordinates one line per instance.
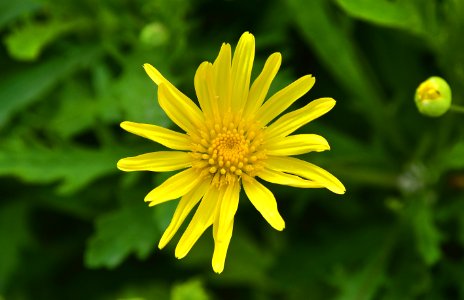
(228, 151)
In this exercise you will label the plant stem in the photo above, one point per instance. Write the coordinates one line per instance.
(457, 108)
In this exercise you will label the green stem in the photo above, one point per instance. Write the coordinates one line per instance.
(457, 108)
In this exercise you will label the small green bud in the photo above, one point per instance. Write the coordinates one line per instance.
(154, 34)
(433, 97)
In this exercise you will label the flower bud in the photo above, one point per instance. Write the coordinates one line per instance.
(433, 97)
(154, 34)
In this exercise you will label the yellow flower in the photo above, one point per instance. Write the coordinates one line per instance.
(227, 144)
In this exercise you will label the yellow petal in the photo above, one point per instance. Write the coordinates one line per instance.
(260, 86)
(174, 187)
(296, 144)
(180, 109)
(181, 102)
(227, 210)
(161, 161)
(223, 224)
(291, 121)
(242, 64)
(281, 100)
(264, 201)
(306, 170)
(163, 136)
(220, 249)
(154, 74)
(202, 219)
(221, 78)
(204, 90)
(186, 204)
(287, 179)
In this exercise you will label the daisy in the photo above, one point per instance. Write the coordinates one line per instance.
(231, 140)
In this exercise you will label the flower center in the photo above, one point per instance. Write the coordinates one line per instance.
(227, 152)
(229, 148)
(428, 91)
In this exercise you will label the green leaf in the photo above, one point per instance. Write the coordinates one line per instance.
(131, 96)
(365, 283)
(397, 14)
(247, 262)
(164, 213)
(190, 290)
(74, 167)
(103, 85)
(428, 237)
(309, 259)
(26, 43)
(408, 279)
(461, 226)
(14, 235)
(454, 158)
(9, 10)
(337, 50)
(130, 229)
(68, 121)
(142, 290)
(136, 95)
(24, 86)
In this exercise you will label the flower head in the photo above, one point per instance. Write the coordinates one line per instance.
(228, 144)
(433, 97)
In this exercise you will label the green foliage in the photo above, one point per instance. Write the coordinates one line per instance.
(75, 167)
(395, 14)
(14, 236)
(12, 10)
(328, 36)
(454, 158)
(74, 227)
(189, 290)
(428, 237)
(27, 42)
(21, 87)
(119, 233)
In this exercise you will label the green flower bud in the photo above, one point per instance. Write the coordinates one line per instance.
(433, 97)
(154, 34)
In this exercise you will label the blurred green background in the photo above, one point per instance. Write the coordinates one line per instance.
(74, 227)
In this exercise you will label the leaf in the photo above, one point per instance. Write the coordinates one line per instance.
(130, 229)
(132, 96)
(428, 237)
(136, 95)
(68, 121)
(354, 160)
(75, 167)
(408, 280)
(306, 263)
(164, 213)
(454, 158)
(26, 43)
(338, 52)
(247, 262)
(190, 290)
(396, 14)
(102, 83)
(24, 86)
(365, 283)
(14, 235)
(142, 290)
(9, 10)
